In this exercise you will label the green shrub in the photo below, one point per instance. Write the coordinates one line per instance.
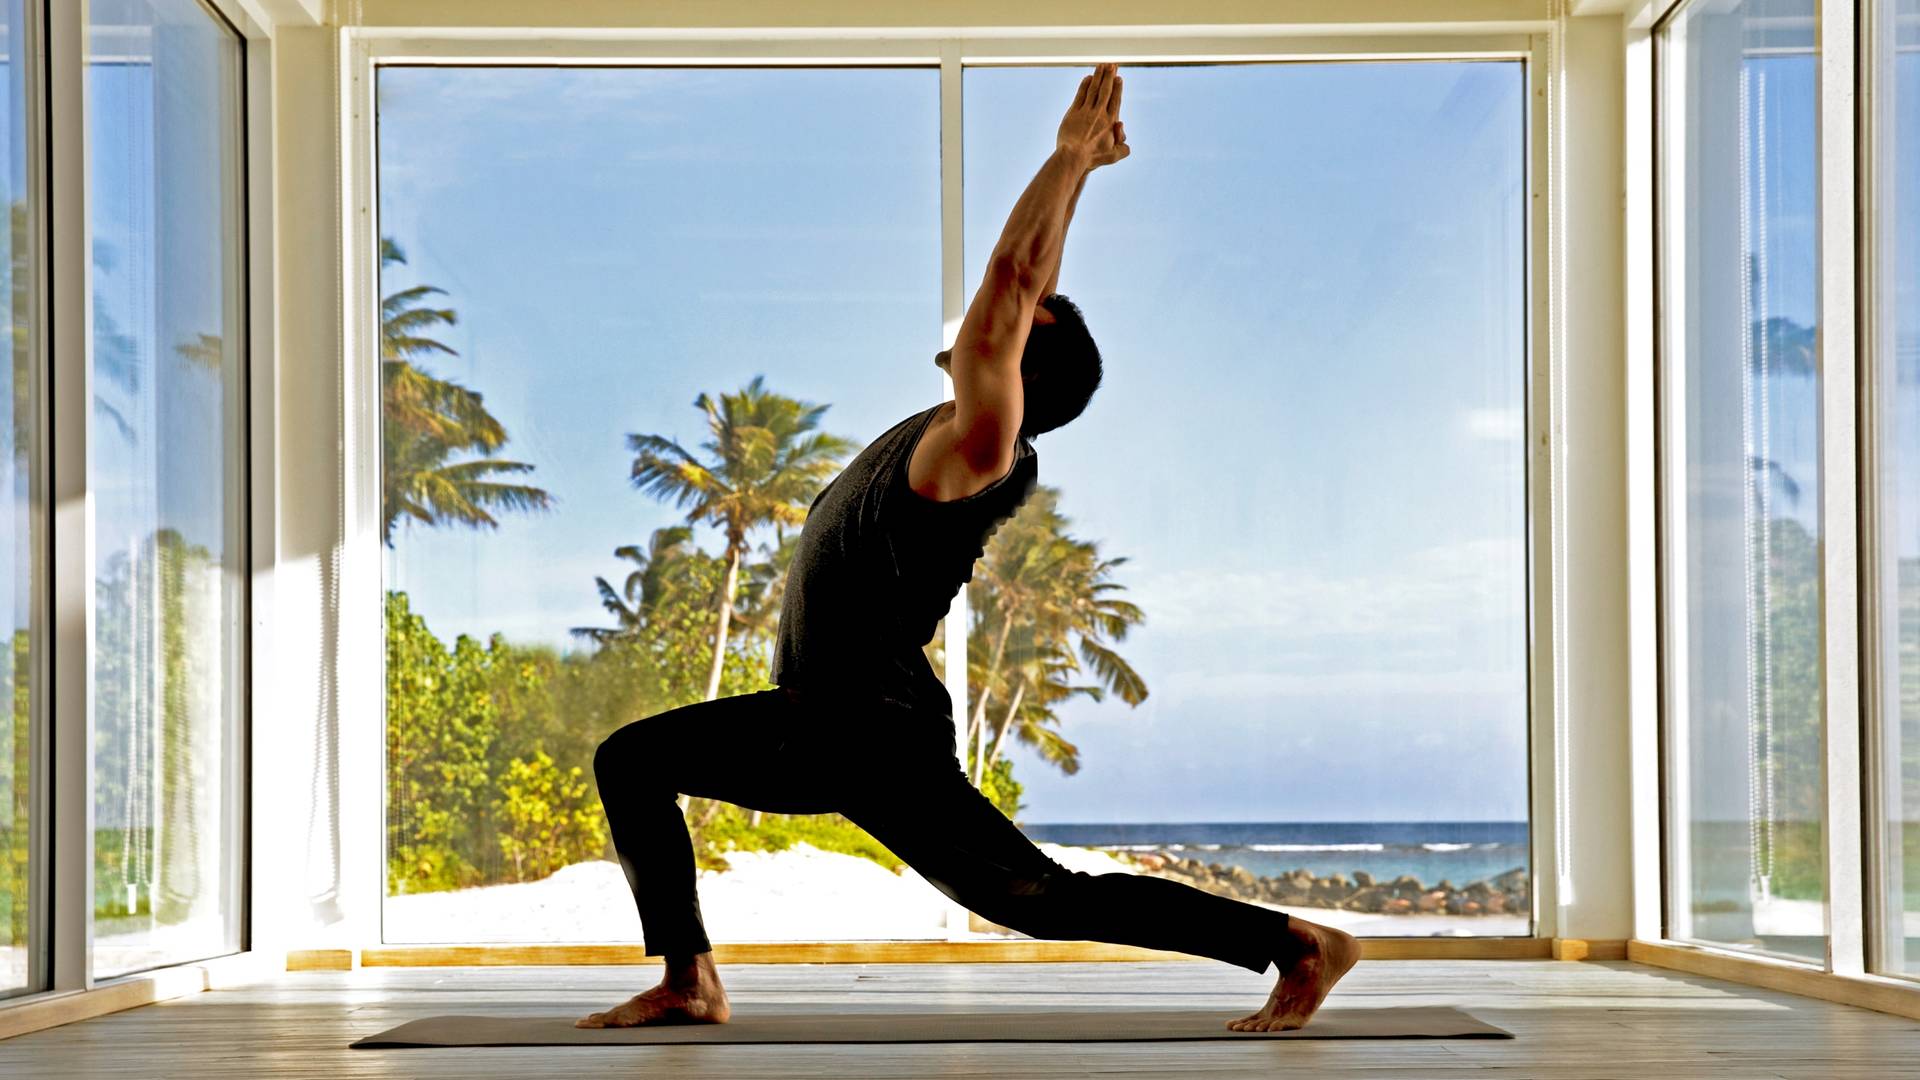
(1001, 789)
(546, 818)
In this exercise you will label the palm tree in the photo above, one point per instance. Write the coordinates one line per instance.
(1030, 715)
(1016, 570)
(764, 588)
(426, 420)
(765, 463)
(646, 585)
(1054, 599)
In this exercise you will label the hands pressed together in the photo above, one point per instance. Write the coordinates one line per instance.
(1092, 125)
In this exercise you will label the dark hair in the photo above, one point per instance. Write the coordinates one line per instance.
(1060, 368)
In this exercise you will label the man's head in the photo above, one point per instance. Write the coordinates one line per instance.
(1060, 368)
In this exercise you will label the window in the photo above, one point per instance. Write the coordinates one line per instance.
(571, 259)
(1740, 567)
(578, 264)
(168, 479)
(1305, 475)
(1895, 236)
(23, 575)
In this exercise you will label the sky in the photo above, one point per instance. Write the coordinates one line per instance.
(1307, 284)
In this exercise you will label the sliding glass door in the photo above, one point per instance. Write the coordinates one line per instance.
(23, 824)
(168, 480)
(1740, 428)
(1893, 235)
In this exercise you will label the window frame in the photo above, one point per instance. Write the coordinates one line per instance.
(365, 49)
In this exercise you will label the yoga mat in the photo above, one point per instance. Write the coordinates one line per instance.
(876, 1026)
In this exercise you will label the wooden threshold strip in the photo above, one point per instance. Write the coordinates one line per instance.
(1879, 993)
(42, 1011)
(891, 952)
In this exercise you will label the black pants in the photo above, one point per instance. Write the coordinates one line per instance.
(893, 772)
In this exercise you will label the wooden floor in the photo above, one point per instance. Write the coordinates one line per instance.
(1572, 1020)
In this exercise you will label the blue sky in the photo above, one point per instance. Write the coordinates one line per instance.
(1307, 283)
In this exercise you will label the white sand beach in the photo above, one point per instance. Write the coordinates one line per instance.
(801, 894)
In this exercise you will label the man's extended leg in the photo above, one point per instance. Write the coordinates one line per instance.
(931, 816)
(733, 749)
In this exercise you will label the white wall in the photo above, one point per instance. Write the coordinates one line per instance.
(1596, 895)
(317, 797)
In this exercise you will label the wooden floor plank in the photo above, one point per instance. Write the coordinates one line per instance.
(1572, 1021)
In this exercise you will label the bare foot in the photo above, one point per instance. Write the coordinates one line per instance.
(1301, 988)
(689, 993)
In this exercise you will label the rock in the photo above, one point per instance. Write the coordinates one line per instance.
(1479, 890)
(1399, 905)
(1371, 898)
(1470, 907)
(1150, 861)
(1216, 869)
(1241, 876)
(1430, 902)
(1496, 903)
(1456, 904)
(1363, 879)
(1406, 885)
(1445, 886)
(1328, 892)
(1513, 881)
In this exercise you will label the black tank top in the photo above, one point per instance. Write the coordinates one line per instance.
(876, 568)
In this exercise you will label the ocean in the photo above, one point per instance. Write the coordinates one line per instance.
(1457, 851)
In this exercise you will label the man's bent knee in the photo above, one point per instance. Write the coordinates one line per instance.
(625, 758)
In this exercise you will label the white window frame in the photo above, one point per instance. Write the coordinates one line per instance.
(363, 49)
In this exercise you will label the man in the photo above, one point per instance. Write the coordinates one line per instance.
(860, 725)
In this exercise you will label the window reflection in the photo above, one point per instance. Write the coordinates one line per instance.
(1739, 95)
(167, 479)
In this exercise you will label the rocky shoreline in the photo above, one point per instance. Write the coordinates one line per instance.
(1405, 895)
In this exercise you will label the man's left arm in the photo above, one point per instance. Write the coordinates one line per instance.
(1054, 281)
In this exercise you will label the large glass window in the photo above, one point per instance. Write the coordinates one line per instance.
(1895, 234)
(1740, 435)
(168, 480)
(1304, 474)
(1289, 662)
(22, 574)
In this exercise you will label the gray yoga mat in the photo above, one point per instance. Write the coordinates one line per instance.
(877, 1026)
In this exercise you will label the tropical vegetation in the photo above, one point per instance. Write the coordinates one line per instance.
(490, 744)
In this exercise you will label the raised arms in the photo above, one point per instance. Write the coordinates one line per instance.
(1053, 283)
(975, 445)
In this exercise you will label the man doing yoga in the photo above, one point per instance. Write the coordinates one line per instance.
(860, 725)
